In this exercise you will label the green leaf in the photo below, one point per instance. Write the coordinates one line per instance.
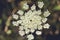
(56, 7)
(0, 21)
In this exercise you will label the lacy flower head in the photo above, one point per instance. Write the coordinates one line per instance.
(32, 21)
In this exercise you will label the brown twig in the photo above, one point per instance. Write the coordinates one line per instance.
(9, 20)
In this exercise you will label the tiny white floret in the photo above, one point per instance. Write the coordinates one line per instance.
(33, 7)
(40, 4)
(40, 27)
(27, 31)
(15, 23)
(20, 12)
(21, 28)
(30, 36)
(22, 33)
(46, 26)
(39, 12)
(46, 13)
(19, 21)
(32, 30)
(15, 16)
(38, 32)
(25, 6)
(44, 20)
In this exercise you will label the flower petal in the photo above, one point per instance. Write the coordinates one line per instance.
(38, 32)
(22, 33)
(30, 36)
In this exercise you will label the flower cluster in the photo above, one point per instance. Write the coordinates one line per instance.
(32, 21)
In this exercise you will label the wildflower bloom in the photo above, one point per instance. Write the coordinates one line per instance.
(30, 37)
(33, 7)
(20, 12)
(15, 16)
(40, 27)
(44, 20)
(21, 27)
(46, 13)
(25, 6)
(46, 26)
(40, 4)
(32, 30)
(31, 21)
(27, 31)
(15, 23)
(22, 33)
(38, 32)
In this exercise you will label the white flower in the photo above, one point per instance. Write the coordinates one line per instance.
(19, 21)
(46, 13)
(22, 17)
(32, 30)
(15, 16)
(25, 6)
(22, 33)
(44, 20)
(34, 26)
(34, 12)
(20, 12)
(40, 27)
(40, 4)
(38, 32)
(30, 36)
(39, 12)
(27, 31)
(46, 26)
(32, 20)
(29, 39)
(25, 28)
(29, 12)
(15, 23)
(33, 7)
(21, 28)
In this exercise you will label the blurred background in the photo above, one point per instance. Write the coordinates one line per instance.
(8, 7)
